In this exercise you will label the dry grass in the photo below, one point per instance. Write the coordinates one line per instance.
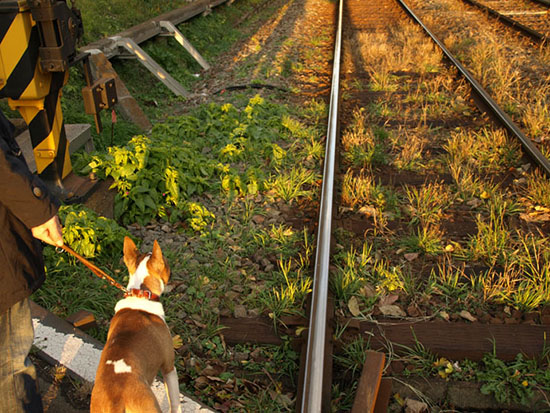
(357, 134)
(427, 203)
(384, 60)
(433, 128)
(514, 73)
(538, 189)
(494, 68)
(410, 152)
(536, 115)
(487, 150)
(357, 189)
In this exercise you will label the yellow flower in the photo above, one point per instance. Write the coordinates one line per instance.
(441, 362)
(447, 367)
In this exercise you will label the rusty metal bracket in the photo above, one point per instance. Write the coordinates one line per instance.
(97, 95)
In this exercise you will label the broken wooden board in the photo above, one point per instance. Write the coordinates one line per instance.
(369, 383)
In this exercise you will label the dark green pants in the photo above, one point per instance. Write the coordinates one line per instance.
(18, 382)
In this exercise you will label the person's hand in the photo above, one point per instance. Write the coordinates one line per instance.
(50, 232)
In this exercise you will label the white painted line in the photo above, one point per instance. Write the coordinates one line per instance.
(82, 359)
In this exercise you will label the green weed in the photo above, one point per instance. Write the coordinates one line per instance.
(427, 239)
(492, 242)
(354, 356)
(350, 275)
(427, 203)
(158, 176)
(296, 183)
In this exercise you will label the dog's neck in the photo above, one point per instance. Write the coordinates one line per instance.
(136, 282)
(141, 304)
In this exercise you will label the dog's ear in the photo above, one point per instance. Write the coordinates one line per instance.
(157, 264)
(130, 255)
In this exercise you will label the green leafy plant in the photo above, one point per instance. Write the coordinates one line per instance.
(507, 382)
(91, 235)
(218, 147)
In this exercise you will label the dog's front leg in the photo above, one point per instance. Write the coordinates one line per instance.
(172, 390)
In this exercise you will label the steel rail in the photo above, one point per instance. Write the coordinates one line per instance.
(312, 390)
(488, 101)
(535, 35)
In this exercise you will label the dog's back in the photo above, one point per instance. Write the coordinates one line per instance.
(138, 346)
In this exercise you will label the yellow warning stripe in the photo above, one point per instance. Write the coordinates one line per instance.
(49, 149)
(39, 86)
(15, 42)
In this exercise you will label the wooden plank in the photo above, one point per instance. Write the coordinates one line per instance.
(369, 383)
(249, 330)
(301, 376)
(151, 28)
(385, 392)
(524, 13)
(459, 340)
(82, 319)
(454, 340)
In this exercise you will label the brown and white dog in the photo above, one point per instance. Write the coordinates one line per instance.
(139, 343)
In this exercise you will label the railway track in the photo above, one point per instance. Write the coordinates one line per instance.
(529, 17)
(366, 27)
(398, 121)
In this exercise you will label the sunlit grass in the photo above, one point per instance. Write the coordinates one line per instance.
(538, 189)
(488, 149)
(492, 242)
(427, 203)
(350, 275)
(293, 184)
(425, 239)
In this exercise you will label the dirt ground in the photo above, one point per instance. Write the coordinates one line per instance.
(60, 394)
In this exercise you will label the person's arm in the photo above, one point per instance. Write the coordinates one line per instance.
(24, 194)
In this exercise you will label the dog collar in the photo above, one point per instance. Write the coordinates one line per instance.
(136, 292)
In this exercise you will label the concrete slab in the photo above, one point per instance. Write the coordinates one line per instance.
(78, 135)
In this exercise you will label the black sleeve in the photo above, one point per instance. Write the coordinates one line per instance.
(22, 192)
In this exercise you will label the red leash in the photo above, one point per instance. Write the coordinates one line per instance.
(96, 270)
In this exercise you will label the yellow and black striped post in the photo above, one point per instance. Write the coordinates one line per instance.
(34, 93)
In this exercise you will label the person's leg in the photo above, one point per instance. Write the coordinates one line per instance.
(18, 384)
